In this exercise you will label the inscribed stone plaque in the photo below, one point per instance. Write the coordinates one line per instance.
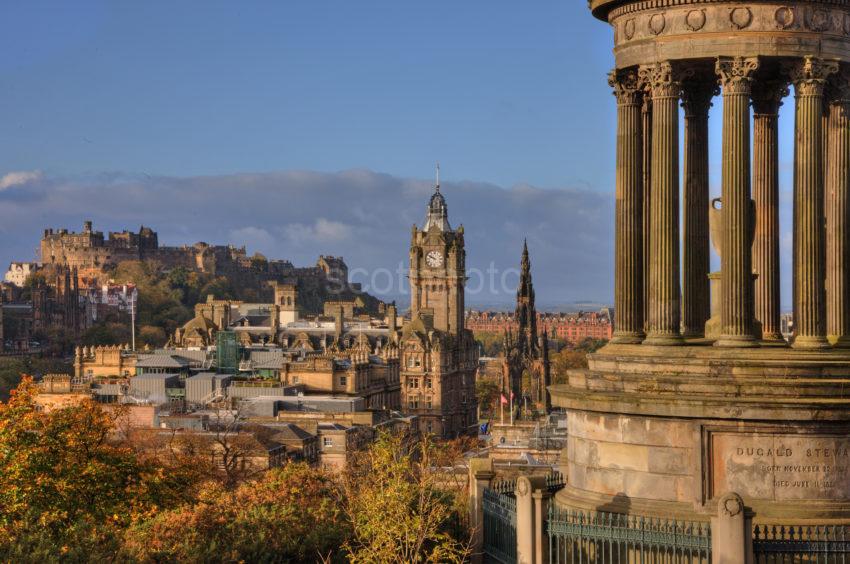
(781, 467)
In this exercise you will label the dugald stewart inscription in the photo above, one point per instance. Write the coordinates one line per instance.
(781, 467)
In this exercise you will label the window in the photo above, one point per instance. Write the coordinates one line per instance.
(428, 403)
(295, 379)
(413, 403)
(328, 441)
(343, 381)
(429, 383)
(429, 427)
(417, 361)
(413, 383)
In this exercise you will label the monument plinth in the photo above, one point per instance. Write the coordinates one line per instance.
(669, 431)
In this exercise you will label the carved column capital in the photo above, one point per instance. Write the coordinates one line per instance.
(662, 80)
(767, 96)
(697, 95)
(736, 73)
(626, 85)
(838, 88)
(809, 75)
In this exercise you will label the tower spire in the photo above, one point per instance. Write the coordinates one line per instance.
(438, 176)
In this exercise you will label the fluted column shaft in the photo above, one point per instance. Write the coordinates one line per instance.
(696, 297)
(646, 117)
(809, 78)
(767, 97)
(664, 289)
(736, 269)
(628, 270)
(838, 213)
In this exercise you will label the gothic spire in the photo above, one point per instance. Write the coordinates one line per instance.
(526, 315)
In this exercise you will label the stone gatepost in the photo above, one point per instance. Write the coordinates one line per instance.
(542, 498)
(531, 511)
(480, 476)
(731, 532)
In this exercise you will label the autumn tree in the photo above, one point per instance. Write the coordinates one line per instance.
(292, 514)
(66, 489)
(398, 509)
(486, 392)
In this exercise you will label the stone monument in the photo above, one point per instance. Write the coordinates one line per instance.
(667, 421)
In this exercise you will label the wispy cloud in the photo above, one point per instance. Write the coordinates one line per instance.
(362, 215)
(20, 177)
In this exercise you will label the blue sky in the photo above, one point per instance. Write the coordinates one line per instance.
(496, 90)
(110, 106)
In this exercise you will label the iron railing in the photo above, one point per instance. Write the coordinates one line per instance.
(505, 487)
(555, 481)
(585, 537)
(827, 544)
(499, 527)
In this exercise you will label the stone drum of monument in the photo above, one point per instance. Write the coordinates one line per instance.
(669, 418)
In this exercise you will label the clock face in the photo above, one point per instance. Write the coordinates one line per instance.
(434, 259)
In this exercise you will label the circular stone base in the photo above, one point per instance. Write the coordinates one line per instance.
(668, 431)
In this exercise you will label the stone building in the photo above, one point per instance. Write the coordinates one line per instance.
(569, 327)
(739, 428)
(93, 254)
(526, 363)
(19, 272)
(58, 303)
(438, 354)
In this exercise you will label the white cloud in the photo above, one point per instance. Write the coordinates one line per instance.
(19, 177)
(321, 231)
(364, 216)
(254, 238)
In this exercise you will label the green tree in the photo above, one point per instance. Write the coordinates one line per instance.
(491, 342)
(487, 393)
(67, 490)
(220, 288)
(398, 510)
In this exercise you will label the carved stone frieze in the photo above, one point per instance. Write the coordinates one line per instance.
(707, 16)
(695, 20)
(741, 18)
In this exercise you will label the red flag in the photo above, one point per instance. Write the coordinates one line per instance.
(504, 399)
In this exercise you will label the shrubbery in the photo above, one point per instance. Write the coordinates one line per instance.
(72, 489)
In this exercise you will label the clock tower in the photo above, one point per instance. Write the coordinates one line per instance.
(438, 267)
(439, 356)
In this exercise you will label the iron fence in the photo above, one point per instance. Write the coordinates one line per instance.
(584, 537)
(778, 544)
(505, 487)
(499, 527)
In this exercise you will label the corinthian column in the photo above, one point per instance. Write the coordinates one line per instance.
(646, 118)
(664, 298)
(628, 283)
(767, 97)
(696, 301)
(736, 266)
(809, 78)
(838, 213)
